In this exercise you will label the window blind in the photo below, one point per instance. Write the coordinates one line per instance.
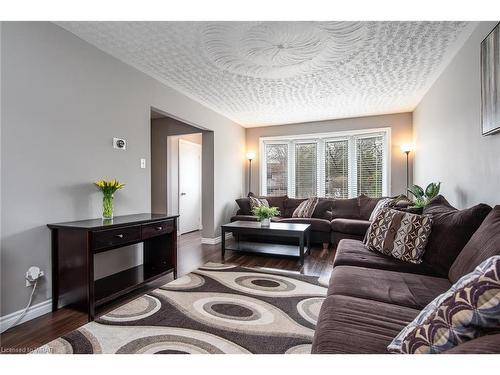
(337, 169)
(306, 170)
(277, 169)
(369, 165)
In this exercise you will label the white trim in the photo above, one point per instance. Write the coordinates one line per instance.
(215, 240)
(34, 311)
(320, 139)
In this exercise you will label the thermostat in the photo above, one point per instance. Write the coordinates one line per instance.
(119, 143)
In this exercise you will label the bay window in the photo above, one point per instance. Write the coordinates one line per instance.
(333, 165)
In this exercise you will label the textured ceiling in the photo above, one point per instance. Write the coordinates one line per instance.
(266, 73)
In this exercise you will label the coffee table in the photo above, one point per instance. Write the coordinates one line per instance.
(284, 230)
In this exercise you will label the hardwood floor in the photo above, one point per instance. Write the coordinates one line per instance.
(191, 255)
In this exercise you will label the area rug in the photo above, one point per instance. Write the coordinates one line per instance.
(218, 308)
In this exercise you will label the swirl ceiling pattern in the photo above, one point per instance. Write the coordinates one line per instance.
(268, 73)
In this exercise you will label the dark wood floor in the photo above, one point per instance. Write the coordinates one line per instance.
(191, 255)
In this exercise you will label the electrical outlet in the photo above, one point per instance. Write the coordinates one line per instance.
(119, 143)
(143, 163)
(33, 274)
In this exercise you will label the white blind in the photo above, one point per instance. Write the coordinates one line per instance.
(337, 169)
(277, 169)
(369, 165)
(306, 160)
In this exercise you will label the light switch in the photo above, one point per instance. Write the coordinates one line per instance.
(143, 163)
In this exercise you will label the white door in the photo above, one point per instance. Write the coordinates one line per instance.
(189, 186)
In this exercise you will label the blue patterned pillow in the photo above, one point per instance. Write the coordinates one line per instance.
(469, 309)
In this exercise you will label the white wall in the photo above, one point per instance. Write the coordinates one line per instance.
(62, 102)
(447, 132)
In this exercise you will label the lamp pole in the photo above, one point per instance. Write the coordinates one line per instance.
(407, 152)
(249, 175)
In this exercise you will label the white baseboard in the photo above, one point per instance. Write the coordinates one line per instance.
(34, 312)
(214, 241)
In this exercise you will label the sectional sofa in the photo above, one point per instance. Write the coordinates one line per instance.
(332, 220)
(372, 297)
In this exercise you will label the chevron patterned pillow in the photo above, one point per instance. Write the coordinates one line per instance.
(306, 208)
(399, 234)
(469, 309)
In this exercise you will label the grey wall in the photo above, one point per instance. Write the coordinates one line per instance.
(401, 132)
(62, 102)
(447, 132)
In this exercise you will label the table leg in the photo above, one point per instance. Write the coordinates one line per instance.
(301, 246)
(223, 245)
(309, 242)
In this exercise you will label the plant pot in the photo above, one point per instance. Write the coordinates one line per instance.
(265, 223)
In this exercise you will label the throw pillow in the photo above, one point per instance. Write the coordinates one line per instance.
(451, 230)
(482, 245)
(306, 208)
(381, 204)
(469, 309)
(257, 202)
(399, 234)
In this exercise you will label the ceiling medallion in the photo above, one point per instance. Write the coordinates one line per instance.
(280, 50)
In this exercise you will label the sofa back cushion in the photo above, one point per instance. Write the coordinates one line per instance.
(290, 205)
(469, 309)
(323, 209)
(345, 209)
(246, 209)
(366, 206)
(399, 234)
(244, 206)
(484, 243)
(451, 230)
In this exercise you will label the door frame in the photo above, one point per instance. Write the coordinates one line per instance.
(199, 146)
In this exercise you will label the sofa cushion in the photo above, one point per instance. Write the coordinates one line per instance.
(345, 209)
(323, 209)
(366, 206)
(469, 309)
(290, 205)
(355, 253)
(484, 243)
(320, 225)
(451, 230)
(276, 201)
(251, 218)
(398, 288)
(350, 226)
(306, 208)
(354, 325)
(244, 205)
(489, 344)
(399, 234)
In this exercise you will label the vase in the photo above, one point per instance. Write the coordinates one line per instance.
(265, 223)
(107, 206)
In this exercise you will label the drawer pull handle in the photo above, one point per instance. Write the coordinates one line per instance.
(119, 235)
(159, 228)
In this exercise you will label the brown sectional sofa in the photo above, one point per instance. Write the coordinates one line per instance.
(372, 297)
(332, 220)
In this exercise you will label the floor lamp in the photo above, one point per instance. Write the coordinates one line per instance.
(250, 156)
(407, 148)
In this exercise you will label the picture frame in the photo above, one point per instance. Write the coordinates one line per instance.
(490, 82)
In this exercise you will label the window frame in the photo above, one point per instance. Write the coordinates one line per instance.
(320, 139)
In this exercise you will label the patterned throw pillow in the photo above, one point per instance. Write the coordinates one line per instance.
(306, 208)
(399, 234)
(257, 202)
(469, 309)
(381, 204)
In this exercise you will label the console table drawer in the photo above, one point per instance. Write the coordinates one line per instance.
(156, 229)
(114, 237)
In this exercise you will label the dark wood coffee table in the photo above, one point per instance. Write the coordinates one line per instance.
(284, 230)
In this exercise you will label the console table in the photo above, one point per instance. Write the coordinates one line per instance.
(75, 243)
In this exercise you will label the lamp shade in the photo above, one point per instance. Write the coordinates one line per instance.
(250, 155)
(407, 147)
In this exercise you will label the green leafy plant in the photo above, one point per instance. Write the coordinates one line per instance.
(264, 212)
(422, 197)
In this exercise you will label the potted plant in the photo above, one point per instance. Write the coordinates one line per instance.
(265, 214)
(422, 197)
(108, 189)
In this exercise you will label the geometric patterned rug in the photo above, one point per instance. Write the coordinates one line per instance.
(219, 308)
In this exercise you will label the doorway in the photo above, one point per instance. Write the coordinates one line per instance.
(189, 186)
